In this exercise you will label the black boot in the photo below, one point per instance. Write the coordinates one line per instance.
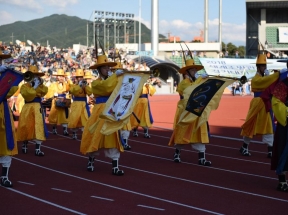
(202, 161)
(177, 156)
(4, 178)
(90, 165)
(38, 152)
(146, 135)
(135, 133)
(65, 131)
(270, 148)
(74, 135)
(54, 131)
(115, 169)
(24, 147)
(282, 186)
(126, 146)
(244, 150)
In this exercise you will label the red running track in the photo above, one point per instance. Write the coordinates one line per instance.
(153, 184)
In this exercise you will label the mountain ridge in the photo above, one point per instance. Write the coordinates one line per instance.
(61, 31)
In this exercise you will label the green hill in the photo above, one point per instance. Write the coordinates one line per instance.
(61, 31)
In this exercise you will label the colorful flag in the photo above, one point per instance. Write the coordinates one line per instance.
(201, 99)
(122, 101)
(9, 78)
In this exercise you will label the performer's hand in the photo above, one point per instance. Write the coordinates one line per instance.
(119, 72)
(36, 82)
(3, 68)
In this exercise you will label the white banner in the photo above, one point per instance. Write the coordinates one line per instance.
(233, 67)
(283, 34)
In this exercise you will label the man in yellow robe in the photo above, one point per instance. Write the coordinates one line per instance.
(59, 114)
(79, 111)
(8, 140)
(259, 121)
(143, 111)
(189, 134)
(91, 143)
(32, 124)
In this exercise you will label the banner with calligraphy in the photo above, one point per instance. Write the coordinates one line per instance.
(236, 67)
(122, 101)
(202, 99)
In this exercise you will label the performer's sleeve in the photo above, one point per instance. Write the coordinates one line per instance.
(75, 90)
(152, 90)
(183, 85)
(50, 92)
(12, 91)
(280, 111)
(88, 90)
(104, 87)
(68, 86)
(41, 90)
(27, 92)
(260, 83)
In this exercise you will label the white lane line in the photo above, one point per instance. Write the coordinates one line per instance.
(190, 151)
(156, 157)
(144, 206)
(22, 182)
(44, 201)
(162, 175)
(98, 197)
(216, 136)
(66, 191)
(121, 189)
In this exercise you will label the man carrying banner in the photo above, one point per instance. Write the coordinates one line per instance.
(59, 114)
(279, 160)
(259, 119)
(142, 111)
(91, 143)
(32, 124)
(8, 140)
(79, 111)
(189, 134)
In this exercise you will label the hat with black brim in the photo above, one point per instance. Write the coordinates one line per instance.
(190, 64)
(102, 60)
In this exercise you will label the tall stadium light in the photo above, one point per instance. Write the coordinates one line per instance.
(206, 21)
(220, 25)
(155, 27)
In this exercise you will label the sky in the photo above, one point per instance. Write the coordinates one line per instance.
(182, 18)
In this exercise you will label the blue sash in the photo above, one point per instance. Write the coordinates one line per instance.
(66, 108)
(150, 113)
(38, 100)
(83, 99)
(8, 126)
(101, 99)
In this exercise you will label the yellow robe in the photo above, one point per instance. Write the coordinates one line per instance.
(57, 115)
(258, 121)
(141, 109)
(187, 134)
(78, 115)
(92, 142)
(31, 125)
(4, 151)
(19, 101)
